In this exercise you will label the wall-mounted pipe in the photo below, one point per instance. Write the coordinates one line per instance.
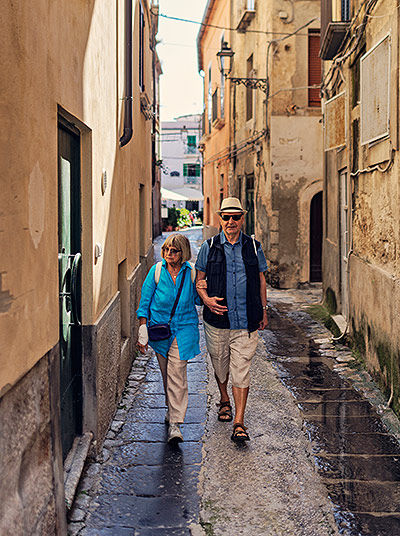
(127, 133)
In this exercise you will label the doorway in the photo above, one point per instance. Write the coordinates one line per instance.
(316, 238)
(250, 204)
(69, 263)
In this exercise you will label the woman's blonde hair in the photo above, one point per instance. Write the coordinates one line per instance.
(179, 242)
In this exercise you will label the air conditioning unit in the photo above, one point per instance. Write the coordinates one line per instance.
(335, 122)
(375, 92)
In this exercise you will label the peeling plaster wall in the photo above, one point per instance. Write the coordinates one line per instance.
(374, 223)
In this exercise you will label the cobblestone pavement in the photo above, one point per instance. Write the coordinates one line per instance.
(290, 479)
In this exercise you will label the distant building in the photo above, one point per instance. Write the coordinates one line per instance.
(181, 173)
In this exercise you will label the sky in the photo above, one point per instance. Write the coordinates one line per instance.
(181, 85)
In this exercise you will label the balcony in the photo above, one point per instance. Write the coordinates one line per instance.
(248, 15)
(333, 38)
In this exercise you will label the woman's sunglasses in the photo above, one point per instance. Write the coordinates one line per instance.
(173, 251)
(227, 217)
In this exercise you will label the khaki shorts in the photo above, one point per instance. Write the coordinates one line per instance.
(231, 351)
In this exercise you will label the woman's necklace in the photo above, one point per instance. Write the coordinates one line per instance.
(174, 275)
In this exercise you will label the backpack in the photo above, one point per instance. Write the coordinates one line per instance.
(211, 242)
(158, 272)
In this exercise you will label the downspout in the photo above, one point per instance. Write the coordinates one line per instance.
(127, 133)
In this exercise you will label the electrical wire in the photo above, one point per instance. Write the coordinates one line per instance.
(207, 25)
(375, 167)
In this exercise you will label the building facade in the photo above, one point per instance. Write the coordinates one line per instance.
(215, 141)
(359, 47)
(273, 130)
(181, 177)
(75, 219)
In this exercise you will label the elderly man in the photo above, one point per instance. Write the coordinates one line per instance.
(231, 282)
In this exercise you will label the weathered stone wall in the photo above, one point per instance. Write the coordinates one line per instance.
(29, 490)
(109, 356)
(375, 314)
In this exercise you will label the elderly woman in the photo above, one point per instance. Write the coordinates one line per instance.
(161, 290)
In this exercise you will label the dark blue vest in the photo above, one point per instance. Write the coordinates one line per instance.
(216, 283)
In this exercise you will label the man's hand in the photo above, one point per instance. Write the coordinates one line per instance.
(264, 321)
(214, 306)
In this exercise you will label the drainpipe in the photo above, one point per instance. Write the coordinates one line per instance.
(127, 134)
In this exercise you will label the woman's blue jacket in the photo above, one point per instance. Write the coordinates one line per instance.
(156, 303)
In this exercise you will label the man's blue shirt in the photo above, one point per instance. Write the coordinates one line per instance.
(235, 278)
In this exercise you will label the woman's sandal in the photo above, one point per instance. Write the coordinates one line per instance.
(239, 433)
(225, 411)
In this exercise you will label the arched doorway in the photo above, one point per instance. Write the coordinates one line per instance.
(316, 238)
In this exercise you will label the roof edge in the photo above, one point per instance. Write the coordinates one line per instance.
(206, 16)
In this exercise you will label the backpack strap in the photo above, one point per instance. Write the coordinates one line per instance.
(253, 237)
(192, 271)
(157, 272)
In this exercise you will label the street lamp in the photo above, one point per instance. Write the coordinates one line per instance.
(225, 64)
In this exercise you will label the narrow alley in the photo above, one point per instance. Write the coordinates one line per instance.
(318, 428)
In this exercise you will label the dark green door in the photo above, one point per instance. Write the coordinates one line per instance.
(69, 262)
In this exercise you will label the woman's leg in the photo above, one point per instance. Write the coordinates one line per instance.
(162, 361)
(177, 386)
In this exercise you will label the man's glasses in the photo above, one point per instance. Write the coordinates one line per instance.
(173, 251)
(227, 217)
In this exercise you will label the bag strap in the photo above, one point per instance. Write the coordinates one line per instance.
(177, 297)
(157, 272)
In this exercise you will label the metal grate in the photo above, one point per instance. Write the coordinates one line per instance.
(375, 91)
(334, 122)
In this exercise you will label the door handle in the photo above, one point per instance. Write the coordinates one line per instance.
(74, 288)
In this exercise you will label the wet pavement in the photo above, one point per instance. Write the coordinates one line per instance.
(358, 460)
(324, 457)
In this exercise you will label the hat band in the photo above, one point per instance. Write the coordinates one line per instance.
(231, 208)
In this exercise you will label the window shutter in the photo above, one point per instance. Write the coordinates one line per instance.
(314, 69)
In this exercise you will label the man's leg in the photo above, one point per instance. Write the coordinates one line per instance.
(217, 342)
(240, 395)
(242, 349)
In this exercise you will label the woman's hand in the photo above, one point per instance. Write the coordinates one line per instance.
(143, 337)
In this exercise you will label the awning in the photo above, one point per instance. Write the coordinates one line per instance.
(182, 194)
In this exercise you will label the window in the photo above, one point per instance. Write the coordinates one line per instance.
(209, 100)
(222, 88)
(215, 105)
(141, 47)
(345, 10)
(191, 144)
(191, 170)
(314, 68)
(249, 91)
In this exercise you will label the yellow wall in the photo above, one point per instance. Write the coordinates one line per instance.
(67, 54)
(216, 141)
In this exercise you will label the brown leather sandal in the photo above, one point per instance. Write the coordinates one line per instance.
(225, 411)
(239, 433)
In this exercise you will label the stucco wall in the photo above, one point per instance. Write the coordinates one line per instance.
(72, 57)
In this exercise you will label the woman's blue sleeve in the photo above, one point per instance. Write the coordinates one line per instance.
(148, 288)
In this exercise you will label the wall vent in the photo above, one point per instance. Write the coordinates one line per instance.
(334, 122)
(375, 92)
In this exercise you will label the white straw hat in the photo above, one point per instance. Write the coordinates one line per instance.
(231, 204)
